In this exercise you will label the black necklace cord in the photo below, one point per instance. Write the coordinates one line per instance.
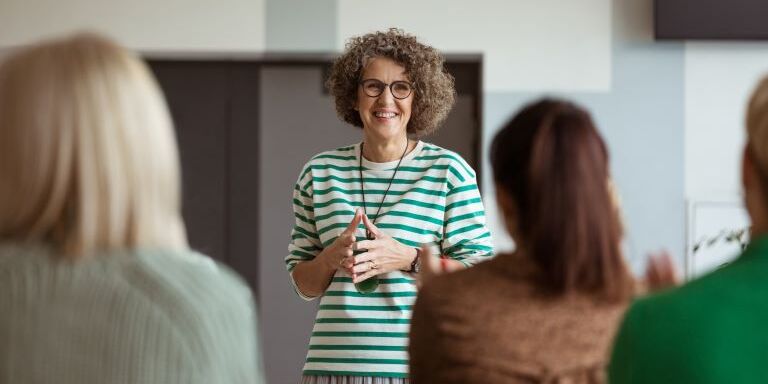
(368, 234)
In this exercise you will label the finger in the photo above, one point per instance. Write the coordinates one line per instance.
(431, 264)
(347, 239)
(667, 267)
(367, 244)
(425, 252)
(650, 267)
(352, 227)
(428, 266)
(364, 276)
(344, 257)
(655, 270)
(371, 227)
(428, 260)
(348, 263)
(660, 272)
(363, 267)
(365, 256)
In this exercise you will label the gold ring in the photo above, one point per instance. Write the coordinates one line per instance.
(373, 264)
(341, 261)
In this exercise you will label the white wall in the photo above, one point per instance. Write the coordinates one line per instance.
(719, 78)
(542, 45)
(147, 25)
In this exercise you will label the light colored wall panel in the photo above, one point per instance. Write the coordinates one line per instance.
(289, 138)
(163, 25)
(719, 78)
(528, 45)
(301, 25)
(641, 120)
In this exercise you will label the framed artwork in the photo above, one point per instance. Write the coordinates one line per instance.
(716, 231)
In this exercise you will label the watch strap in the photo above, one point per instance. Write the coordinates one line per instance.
(415, 261)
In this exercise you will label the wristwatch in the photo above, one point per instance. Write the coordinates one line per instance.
(416, 264)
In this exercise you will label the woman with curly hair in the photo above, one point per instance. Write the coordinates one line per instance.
(363, 210)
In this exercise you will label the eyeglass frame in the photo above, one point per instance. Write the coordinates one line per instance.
(388, 85)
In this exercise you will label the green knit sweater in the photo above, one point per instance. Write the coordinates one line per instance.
(126, 317)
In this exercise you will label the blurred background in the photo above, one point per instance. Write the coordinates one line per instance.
(667, 84)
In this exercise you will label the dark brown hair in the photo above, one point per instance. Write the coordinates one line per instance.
(553, 163)
(434, 92)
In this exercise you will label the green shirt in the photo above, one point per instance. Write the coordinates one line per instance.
(128, 317)
(712, 330)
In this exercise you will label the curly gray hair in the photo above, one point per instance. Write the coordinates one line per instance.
(434, 92)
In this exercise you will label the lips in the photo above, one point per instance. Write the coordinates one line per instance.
(385, 115)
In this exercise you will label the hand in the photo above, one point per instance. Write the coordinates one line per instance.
(383, 254)
(660, 272)
(339, 253)
(431, 266)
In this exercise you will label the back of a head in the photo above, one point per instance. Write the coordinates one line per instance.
(553, 164)
(757, 126)
(88, 158)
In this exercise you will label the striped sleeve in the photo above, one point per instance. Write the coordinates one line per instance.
(305, 242)
(466, 237)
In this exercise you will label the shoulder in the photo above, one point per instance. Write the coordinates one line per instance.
(193, 276)
(182, 302)
(440, 156)
(340, 159)
(689, 324)
(159, 286)
(716, 288)
(461, 285)
(158, 279)
(668, 313)
(191, 295)
(339, 155)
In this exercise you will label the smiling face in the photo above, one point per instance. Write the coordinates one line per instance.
(384, 117)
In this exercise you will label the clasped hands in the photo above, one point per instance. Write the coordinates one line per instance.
(381, 255)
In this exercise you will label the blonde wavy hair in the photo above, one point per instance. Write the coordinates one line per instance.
(88, 157)
(434, 92)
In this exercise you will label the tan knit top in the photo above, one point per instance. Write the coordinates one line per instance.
(488, 324)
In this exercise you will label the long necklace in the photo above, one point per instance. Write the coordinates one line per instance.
(368, 233)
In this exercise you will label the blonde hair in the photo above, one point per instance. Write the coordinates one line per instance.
(88, 158)
(757, 124)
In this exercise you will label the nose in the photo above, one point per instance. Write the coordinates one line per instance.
(386, 97)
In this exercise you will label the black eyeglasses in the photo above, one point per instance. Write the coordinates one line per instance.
(400, 89)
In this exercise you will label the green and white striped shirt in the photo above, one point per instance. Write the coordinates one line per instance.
(433, 200)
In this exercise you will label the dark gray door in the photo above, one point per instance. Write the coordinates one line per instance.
(215, 110)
